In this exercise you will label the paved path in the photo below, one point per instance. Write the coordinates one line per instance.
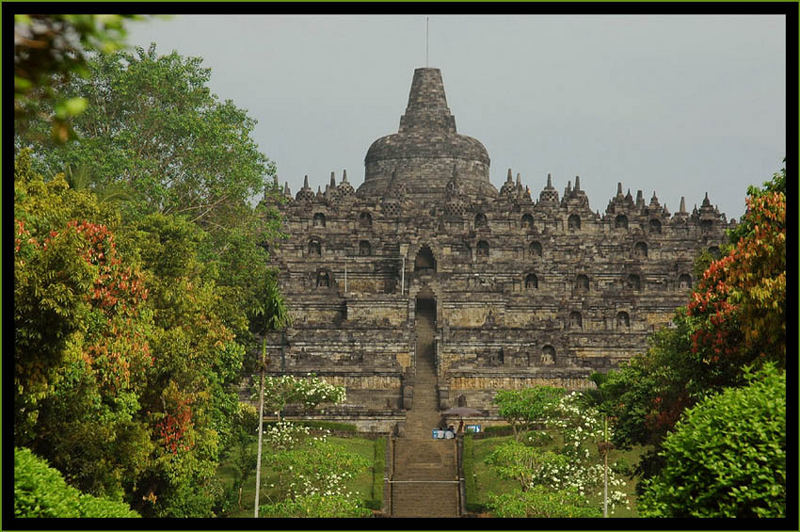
(425, 470)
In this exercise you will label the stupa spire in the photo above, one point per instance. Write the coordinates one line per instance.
(427, 105)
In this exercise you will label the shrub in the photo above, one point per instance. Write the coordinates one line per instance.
(541, 501)
(727, 456)
(498, 430)
(40, 491)
(316, 505)
(329, 425)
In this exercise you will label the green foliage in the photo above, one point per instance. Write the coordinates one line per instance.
(524, 464)
(329, 425)
(318, 466)
(123, 368)
(81, 348)
(542, 502)
(746, 227)
(727, 456)
(648, 393)
(312, 469)
(378, 472)
(154, 136)
(49, 50)
(240, 453)
(40, 491)
(523, 408)
(315, 505)
(133, 274)
(498, 430)
(566, 464)
(739, 303)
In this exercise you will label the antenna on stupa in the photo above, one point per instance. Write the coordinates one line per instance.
(427, 21)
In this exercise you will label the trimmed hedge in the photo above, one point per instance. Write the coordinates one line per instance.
(41, 491)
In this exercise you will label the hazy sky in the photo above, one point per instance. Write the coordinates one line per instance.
(675, 104)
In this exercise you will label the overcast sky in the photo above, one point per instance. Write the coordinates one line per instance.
(675, 104)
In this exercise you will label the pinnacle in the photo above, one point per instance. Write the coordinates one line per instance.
(427, 105)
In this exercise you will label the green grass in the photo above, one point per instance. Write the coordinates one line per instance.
(481, 480)
(367, 485)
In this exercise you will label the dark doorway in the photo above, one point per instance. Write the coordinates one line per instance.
(424, 260)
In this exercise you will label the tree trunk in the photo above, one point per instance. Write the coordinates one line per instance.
(260, 423)
(605, 466)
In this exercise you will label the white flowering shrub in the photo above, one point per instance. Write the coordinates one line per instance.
(309, 391)
(284, 435)
(573, 467)
(308, 464)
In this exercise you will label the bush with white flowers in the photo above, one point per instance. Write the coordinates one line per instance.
(571, 467)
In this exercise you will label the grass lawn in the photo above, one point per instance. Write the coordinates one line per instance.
(481, 480)
(367, 485)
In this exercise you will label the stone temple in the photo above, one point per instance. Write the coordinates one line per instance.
(427, 269)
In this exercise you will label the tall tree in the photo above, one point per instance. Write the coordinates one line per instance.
(50, 50)
(123, 367)
(153, 129)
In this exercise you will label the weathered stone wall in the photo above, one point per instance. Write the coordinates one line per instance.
(527, 291)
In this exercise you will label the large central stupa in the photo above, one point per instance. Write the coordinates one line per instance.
(427, 149)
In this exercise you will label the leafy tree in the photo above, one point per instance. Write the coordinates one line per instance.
(40, 491)
(49, 50)
(746, 227)
(307, 392)
(190, 401)
(739, 304)
(523, 463)
(154, 130)
(124, 370)
(647, 395)
(524, 408)
(152, 123)
(727, 456)
(81, 347)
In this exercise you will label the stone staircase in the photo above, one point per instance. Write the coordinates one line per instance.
(424, 473)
